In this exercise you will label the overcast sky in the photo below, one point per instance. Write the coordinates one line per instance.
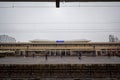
(28, 21)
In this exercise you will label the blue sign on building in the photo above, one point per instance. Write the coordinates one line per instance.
(60, 41)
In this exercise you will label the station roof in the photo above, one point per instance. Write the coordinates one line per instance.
(65, 42)
(61, 41)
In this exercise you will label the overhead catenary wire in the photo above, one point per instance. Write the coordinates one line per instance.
(62, 4)
(60, 23)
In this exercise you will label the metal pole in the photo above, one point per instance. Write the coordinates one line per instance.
(57, 3)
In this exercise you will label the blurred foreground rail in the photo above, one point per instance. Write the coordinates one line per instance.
(59, 71)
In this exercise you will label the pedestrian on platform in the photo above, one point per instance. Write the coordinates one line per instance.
(79, 56)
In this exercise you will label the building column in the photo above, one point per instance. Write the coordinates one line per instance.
(65, 52)
(70, 52)
(55, 52)
(111, 52)
(100, 52)
(61, 53)
(23, 53)
(96, 52)
(106, 52)
(50, 52)
(116, 52)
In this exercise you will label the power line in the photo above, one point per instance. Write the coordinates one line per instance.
(61, 6)
(68, 23)
(67, 31)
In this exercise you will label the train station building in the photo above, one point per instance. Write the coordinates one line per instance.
(61, 48)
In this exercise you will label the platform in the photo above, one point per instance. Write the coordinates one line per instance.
(60, 60)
